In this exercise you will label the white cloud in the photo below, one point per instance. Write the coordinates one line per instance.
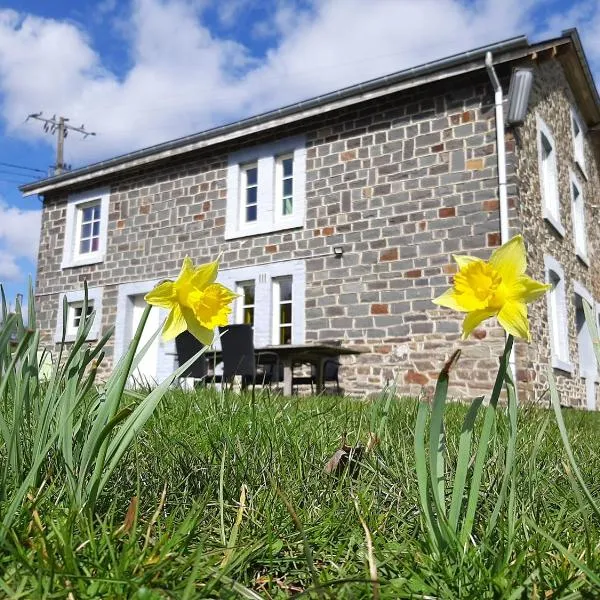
(9, 270)
(184, 79)
(19, 238)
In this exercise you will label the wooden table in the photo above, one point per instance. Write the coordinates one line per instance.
(290, 354)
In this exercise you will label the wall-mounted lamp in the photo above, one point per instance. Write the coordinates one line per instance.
(519, 91)
(338, 251)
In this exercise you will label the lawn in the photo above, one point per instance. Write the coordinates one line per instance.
(223, 496)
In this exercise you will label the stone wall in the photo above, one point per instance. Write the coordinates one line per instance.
(552, 99)
(400, 183)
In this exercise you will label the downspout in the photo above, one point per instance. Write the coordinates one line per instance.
(501, 153)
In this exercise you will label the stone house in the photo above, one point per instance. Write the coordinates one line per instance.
(337, 218)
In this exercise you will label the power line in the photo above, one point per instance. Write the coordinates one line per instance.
(60, 127)
(12, 173)
(5, 164)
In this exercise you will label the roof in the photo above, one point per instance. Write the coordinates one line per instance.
(466, 62)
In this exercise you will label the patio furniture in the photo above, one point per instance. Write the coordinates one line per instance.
(240, 358)
(186, 346)
(331, 367)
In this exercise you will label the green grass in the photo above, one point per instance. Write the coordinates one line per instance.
(232, 502)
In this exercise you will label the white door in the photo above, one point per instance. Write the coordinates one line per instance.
(146, 371)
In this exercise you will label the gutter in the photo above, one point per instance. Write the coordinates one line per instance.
(452, 66)
(501, 154)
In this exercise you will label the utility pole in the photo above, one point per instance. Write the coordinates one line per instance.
(60, 127)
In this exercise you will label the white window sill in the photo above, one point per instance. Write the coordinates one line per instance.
(71, 337)
(261, 228)
(554, 222)
(583, 257)
(82, 261)
(562, 365)
(581, 166)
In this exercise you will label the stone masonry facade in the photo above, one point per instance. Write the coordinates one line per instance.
(552, 99)
(401, 183)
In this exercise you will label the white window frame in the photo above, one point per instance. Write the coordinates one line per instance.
(578, 217)
(549, 191)
(279, 178)
(556, 300)
(276, 291)
(239, 303)
(263, 276)
(75, 204)
(243, 216)
(75, 298)
(582, 292)
(578, 140)
(269, 218)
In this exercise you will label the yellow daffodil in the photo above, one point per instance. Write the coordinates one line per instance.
(196, 302)
(497, 288)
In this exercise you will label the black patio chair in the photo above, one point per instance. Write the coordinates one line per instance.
(240, 358)
(187, 346)
(331, 368)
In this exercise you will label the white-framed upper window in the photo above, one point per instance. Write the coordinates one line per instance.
(246, 302)
(557, 315)
(284, 185)
(86, 228)
(548, 176)
(273, 297)
(249, 192)
(75, 314)
(282, 310)
(266, 188)
(578, 211)
(578, 129)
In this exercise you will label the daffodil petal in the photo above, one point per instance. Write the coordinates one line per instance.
(174, 325)
(205, 274)
(162, 295)
(201, 333)
(513, 317)
(463, 261)
(527, 290)
(450, 299)
(473, 319)
(187, 271)
(510, 259)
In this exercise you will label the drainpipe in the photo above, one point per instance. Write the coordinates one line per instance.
(501, 153)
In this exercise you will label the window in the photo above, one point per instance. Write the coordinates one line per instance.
(245, 312)
(86, 228)
(282, 313)
(75, 314)
(271, 298)
(266, 188)
(587, 358)
(249, 192)
(578, 133)
(557, 316)
(284, 180)
(579, 231)
(548, 177)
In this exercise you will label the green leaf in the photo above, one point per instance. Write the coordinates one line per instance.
(462, 465)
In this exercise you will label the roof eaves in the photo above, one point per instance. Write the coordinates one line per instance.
(262, 121)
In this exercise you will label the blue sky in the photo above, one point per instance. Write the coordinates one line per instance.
(138, 72)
